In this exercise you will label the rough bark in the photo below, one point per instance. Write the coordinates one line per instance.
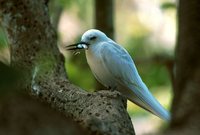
(34, 51)
(23, 115)
(186, 102)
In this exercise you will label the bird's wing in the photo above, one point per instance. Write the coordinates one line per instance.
(120, 64)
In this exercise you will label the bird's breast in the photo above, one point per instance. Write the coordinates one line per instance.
(98, 68)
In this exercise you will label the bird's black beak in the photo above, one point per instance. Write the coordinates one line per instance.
(80, 45)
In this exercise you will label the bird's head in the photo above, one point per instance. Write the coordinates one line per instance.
(89, 38)
(93, 36)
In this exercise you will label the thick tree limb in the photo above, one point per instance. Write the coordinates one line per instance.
(186, 102)
(34, 51)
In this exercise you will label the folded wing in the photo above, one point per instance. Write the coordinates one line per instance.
(120, 64)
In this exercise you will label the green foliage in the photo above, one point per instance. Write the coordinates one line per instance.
(168, 5)
(66, 3)
(157, 72)
(138, 47)
(3, 39)
(79, 73)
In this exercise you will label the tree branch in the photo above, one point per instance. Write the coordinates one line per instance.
(34, 51)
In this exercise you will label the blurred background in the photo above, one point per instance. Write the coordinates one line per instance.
(146, 28)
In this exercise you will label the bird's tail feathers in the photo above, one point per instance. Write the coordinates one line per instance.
(144, 99)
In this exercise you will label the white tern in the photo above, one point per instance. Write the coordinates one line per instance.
(113, 67)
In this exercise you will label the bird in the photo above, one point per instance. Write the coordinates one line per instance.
(114, 68)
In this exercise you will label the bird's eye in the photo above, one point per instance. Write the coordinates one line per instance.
(93, 37)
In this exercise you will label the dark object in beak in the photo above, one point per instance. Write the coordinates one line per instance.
(80, 45)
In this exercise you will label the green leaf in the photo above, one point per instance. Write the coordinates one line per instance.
(168, 5)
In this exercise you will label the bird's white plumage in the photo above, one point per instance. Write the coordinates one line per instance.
(113, 67)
